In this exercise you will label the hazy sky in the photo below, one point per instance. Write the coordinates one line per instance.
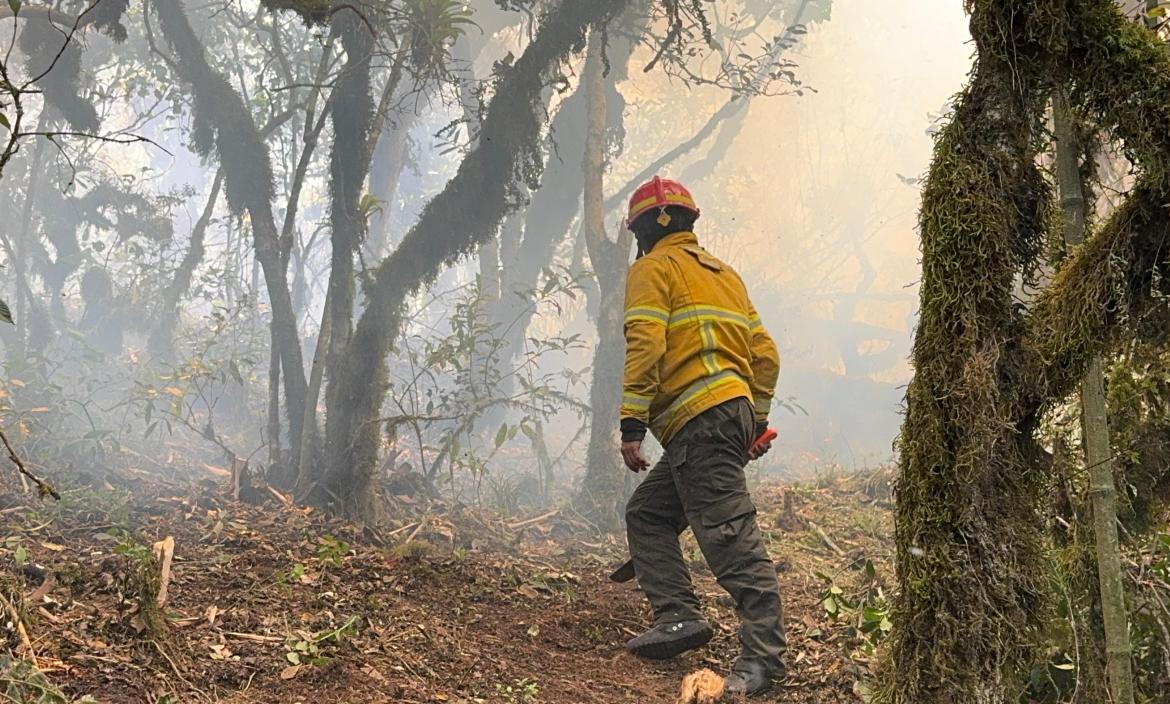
(816, 205)
(817, 186)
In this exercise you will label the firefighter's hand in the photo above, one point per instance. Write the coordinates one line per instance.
(758, 451)
(632, 454)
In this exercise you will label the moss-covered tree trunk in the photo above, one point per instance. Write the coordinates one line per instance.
(968, 522)
(352, 112)
(549, 216)
(224, 125)
(601, 489)
(453, 224)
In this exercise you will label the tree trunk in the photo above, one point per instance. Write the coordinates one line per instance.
(306, 478)
(33, 322)
(355, 128)
(484, 371)
(388, 162)
(1095, 424)
(162, 336)
(352, 110)
(225, 125)
(601, 492)
(556, 203)
(453, 224)
(274, 455)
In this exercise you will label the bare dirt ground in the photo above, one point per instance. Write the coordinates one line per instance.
(274, 603)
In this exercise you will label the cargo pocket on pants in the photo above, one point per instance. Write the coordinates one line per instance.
(726, 518)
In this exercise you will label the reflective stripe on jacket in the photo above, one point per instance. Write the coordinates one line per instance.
(693, 339)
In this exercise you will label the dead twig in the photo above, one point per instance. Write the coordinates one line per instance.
(284, 500)
(416, 531)
(531, 521)
(255, 637)
(18, 624)
(403, 529)
(39, 593)
(826, 539)
(43, 488)
(175, 668)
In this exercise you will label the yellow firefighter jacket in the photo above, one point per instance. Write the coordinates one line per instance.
(693, 339)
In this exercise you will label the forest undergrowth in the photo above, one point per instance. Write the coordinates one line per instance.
(279, 603)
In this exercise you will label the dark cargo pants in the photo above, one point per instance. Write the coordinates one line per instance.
(700, 480)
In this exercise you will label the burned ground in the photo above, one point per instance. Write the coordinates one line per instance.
(276, 603)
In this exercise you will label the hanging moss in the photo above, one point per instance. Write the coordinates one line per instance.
(1139, 419)
(106, 16)
(222, 122)
(313, 13)
(47, 53)
(969, 560)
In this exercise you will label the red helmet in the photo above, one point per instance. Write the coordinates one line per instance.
(659, 193)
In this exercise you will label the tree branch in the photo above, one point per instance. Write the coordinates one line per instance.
(43, 488)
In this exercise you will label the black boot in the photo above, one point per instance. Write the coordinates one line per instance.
(667, 640)
(749, 679)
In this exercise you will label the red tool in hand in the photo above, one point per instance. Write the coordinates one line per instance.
(764, 438)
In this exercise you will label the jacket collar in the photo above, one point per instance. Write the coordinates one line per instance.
(677, 239)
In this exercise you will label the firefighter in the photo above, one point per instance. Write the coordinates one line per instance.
(700, 372)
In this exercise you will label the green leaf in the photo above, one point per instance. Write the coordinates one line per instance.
(15, 5)
(501, 435)
(368, 205)
(4, 121)
(5, 312)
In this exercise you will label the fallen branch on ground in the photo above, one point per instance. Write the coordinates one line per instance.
(826, 539)
(18, 626)
(43, 488)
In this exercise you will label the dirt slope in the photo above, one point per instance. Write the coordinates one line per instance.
(278, 604)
